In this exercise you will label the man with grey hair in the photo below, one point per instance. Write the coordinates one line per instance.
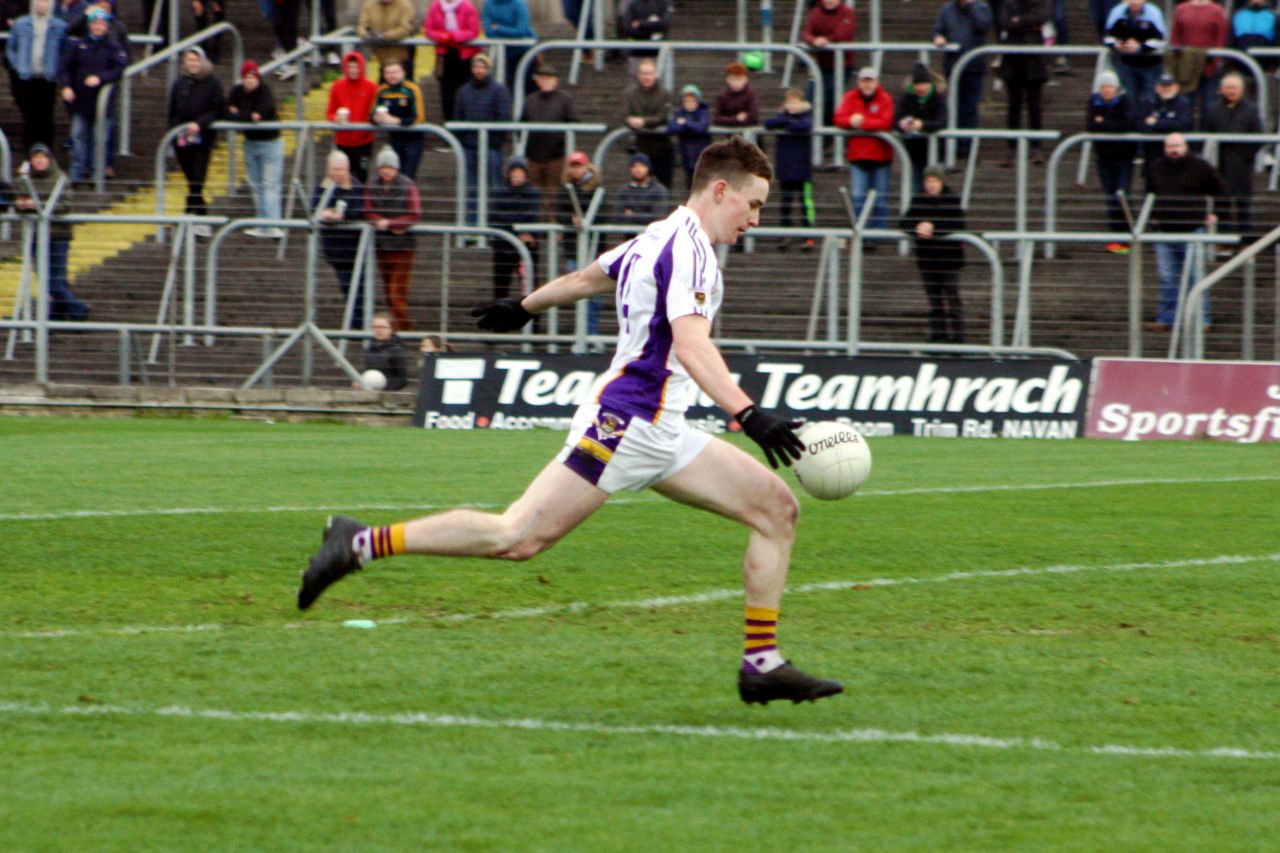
(391, 203)
(339, 200)
(1232, 112)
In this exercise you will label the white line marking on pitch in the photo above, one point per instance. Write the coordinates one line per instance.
(360, 718)
(70, 515)
(678, 600)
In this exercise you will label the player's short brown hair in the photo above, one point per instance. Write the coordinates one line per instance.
(732, 160)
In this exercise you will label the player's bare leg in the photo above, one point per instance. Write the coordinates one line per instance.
(725, 480)
(556, 502)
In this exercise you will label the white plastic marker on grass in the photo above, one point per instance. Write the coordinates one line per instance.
(360, 623)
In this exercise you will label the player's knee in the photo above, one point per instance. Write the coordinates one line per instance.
(518, 543)
(778, 509)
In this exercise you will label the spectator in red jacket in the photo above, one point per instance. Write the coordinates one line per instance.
(1201, 24)
(868, 108)
(452, 24)
(829, 22)
(351, 100)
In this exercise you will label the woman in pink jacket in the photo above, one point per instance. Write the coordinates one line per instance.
(451, 24)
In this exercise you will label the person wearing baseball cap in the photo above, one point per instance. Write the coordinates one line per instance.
(868, 108)
(1170, 112)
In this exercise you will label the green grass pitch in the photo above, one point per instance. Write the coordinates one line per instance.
(1045, 645)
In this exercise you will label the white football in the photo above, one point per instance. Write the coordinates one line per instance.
(835, 462)
(373, 380)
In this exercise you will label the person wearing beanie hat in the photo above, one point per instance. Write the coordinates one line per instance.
(515, 201)
(690, 124)
(921, 111)
(737, 104)
(45, 177)
(1111, 111)
(339, 199)
(35, 53)
(196, 101)
(90, 64)
(642, 199)
(935, 213)
(392, 204)
(251, 100)
(792, 161)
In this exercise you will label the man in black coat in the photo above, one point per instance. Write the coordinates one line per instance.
(1234, 113)
(934, 214)
(1181, 182)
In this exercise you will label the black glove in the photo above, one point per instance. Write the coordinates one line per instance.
(775, 436)
(501, 315)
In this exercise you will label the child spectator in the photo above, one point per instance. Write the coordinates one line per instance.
(921, 110)
(737, 104)
(689, 124)
(1110, 111)
(792, 159)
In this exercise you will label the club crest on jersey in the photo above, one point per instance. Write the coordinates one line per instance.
(700, 298)
(609, 425)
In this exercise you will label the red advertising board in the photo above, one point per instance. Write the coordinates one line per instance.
(1139, 399)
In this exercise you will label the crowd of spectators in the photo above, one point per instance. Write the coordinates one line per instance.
(1162, 78)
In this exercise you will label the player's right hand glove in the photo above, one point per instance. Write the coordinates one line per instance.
(501, 315)
(775, 436)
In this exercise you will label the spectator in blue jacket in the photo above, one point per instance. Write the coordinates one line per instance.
(1171, 112)
(966, 23)
(690, 124)
(509, 19)
(792, 159)
(91, 64)
(481, 99)
(1110, 111)
(1255, 26)
(513, 203)
(34, 53)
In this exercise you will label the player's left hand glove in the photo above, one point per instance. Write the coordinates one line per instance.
(501, 315)
(775, 436)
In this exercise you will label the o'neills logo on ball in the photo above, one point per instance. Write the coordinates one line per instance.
(843, 437)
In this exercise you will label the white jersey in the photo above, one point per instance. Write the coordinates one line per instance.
(668, 272)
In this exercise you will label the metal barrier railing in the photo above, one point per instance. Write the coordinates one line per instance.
(666, 64)
(1061, 150)
(125, 110)
(161, 172)
(496, 47)
(1191, 315)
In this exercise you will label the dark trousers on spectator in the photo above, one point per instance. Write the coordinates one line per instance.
(968, 99)
(546, 177)
(1140, 83)
(194, 160)
(344, 266)
(35, 98)
(1116, 176)
(506, 266)
(329, 15)
(212, 14)
(1020, 92)
(452, 75)
(286, 24)
(796, 192)
(359, 157)
(946, 313)
(396, 269)
(1235, 213)
(661, 154)
(408, 147)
